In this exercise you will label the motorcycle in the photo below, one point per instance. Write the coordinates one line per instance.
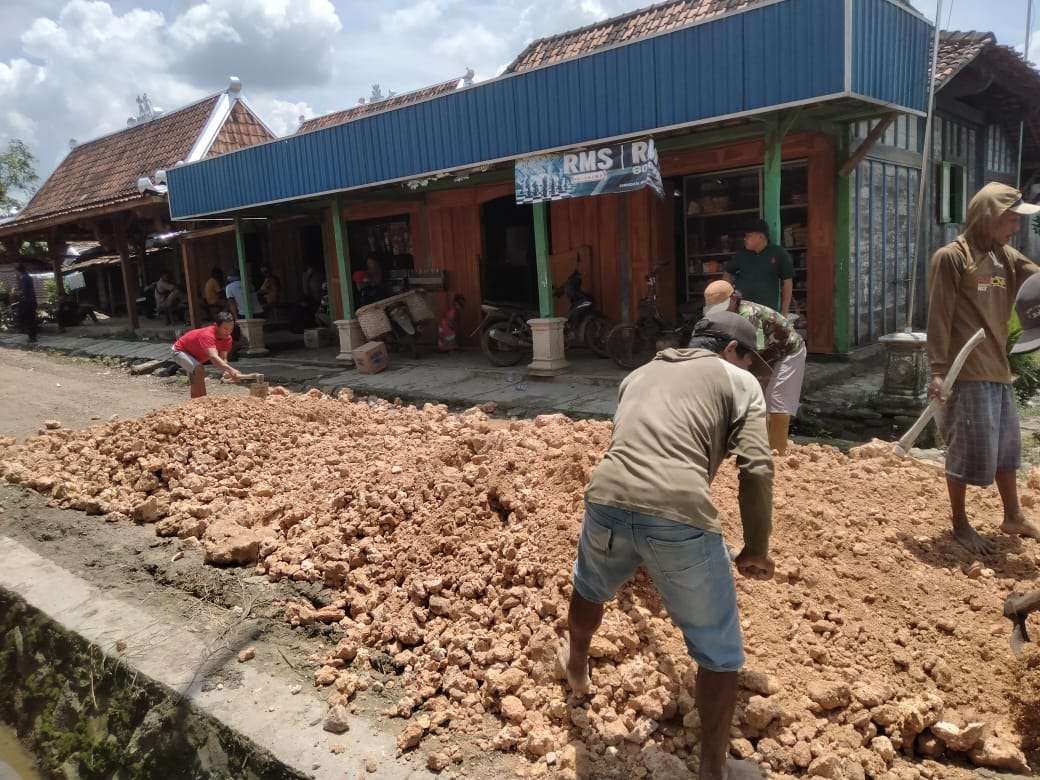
(631, 344)
(505, 336)
(585, 325)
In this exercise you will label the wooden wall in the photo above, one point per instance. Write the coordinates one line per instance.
(611, 233)
(818, 150)
(633, 230)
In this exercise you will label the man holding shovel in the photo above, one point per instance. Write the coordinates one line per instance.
(649, 504)
(972, 283)
(211, 344)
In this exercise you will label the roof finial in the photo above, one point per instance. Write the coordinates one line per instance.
(467, 77)
(234, 85)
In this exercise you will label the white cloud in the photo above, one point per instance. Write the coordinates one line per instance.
(282, 116)
(420, 14)
(74, 67)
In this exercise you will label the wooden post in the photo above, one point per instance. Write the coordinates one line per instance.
(771, 183)
(541, 248)
(346, 286)
(190, 284)
(129, 279)
(56, 250)
(243, 272)
(624, 260)
(842, 250)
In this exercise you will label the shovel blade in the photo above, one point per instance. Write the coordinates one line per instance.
(1018, 640)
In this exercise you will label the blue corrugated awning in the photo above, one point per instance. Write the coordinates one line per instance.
(787, 53)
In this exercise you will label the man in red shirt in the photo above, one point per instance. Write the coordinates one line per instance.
(205, 345)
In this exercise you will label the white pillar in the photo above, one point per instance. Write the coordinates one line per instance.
(350, 338)
(548, 342)
(253, 331)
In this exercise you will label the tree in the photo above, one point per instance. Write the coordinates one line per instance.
(17, 175)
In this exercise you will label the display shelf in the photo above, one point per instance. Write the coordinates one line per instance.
(731, 213)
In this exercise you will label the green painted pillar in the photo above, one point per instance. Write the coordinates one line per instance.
(771, 183)
(541, 248)
(842, 250)
(243, 271)
(346, 289)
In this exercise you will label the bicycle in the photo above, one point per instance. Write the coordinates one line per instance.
(631, 344)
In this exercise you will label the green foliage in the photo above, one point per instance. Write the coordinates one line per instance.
(1026, 368)
(17, 175)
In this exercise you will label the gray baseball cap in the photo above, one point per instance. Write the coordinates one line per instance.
(727, 324)
(1027, 307)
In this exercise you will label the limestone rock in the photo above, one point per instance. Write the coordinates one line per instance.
(337, 719)
(961, 740)
(998, 753)
(226, 543)
(829, 695)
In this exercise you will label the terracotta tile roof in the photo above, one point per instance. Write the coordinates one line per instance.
(628, 27)
(105, 171)
(367, 109)
(957, 50)
(241, 129)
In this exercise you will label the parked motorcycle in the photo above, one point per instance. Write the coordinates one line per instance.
(505, 336)
(631, 344)
(585, 325)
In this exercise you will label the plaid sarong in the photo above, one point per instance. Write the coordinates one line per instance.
(980, 426)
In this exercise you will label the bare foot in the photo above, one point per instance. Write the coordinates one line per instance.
(577, 675)
(970, 539)
(1019, 525)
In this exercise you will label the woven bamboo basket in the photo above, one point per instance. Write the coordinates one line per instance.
(373, 321)
(418, 307)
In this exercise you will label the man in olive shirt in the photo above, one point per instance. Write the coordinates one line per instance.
(762, 271)
(649, 504)
(972, 283)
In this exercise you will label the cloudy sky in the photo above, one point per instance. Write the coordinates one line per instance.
(72, 68)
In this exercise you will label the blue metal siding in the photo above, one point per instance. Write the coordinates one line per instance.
(890, 51)
(768, 56)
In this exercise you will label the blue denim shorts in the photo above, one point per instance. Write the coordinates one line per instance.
(690, 567)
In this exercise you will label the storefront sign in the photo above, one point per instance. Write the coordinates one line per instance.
(579, 174)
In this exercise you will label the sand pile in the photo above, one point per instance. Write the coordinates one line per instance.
(444, 544)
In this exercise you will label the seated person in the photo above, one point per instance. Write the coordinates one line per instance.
(271, 288)
(213, 294)
(167, 298)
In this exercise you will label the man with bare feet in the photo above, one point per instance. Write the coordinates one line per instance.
(648, 504)
(972, 283)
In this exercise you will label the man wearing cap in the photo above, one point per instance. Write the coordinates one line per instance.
(648, 504)
(780, 346)
(762, 270)
(972, 283)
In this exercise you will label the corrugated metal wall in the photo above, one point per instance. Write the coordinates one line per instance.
(890, 53)
(767, 56)
(884, 197)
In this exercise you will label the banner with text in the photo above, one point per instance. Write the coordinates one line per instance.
(601, 171)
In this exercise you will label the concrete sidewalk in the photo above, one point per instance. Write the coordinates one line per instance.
(587, 389)
(457, 380)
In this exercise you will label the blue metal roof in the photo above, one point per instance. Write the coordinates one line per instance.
(785, 53)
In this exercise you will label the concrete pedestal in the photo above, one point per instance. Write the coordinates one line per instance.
(906, 367)
(549, 355)
(253, 331)
(350, 338)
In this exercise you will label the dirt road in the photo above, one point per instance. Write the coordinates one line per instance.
(80, 393)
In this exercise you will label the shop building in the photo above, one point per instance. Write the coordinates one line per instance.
(748, 104)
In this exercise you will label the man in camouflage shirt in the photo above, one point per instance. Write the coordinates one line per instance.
(781, 347)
